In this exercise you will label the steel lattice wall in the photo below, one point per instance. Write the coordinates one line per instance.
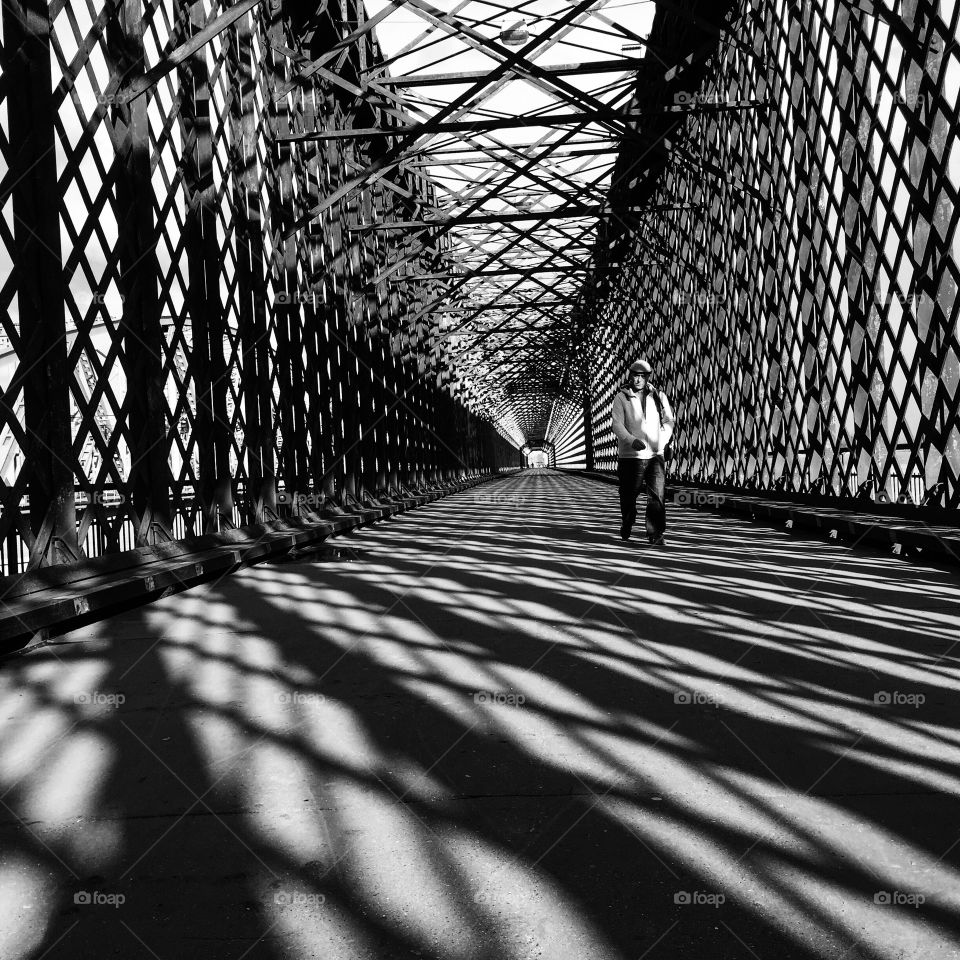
(802, 310)
(175, 355)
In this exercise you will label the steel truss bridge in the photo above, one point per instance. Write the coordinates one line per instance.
(351, 251)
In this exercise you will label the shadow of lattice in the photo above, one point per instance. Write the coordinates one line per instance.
(500, 733)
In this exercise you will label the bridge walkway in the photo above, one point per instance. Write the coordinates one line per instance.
(489, 729)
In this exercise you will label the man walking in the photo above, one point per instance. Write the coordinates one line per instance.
(643, 423)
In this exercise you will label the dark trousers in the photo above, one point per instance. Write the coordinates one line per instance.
(634, 476)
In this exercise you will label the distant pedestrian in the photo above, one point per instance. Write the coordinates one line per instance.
(643, 423)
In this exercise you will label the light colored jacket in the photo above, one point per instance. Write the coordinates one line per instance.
(633, 420)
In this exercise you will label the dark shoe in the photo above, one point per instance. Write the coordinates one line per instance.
(658, 541)
(624, 531)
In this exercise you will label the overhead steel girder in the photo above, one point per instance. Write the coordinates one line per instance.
(430, 128)
(480, 274)
(561, 213)
(488, 153)
(563, 70)
(533, 305)
(500, 331)
(507, 123)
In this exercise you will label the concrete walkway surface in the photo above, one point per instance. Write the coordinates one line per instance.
(494, 731)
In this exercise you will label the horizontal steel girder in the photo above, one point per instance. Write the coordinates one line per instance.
(563, 70)
(480, 274)
(506, 306)
(561, 213)
(429, 128)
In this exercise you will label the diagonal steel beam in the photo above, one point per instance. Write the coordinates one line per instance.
(142, 83)
(342, 45)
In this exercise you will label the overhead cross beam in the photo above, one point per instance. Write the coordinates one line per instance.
(459, 126)
(623, 65)
(561, 213)
(480, 274)
(488, 153)
(533, 304)
(508, 123)
(501, 331)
